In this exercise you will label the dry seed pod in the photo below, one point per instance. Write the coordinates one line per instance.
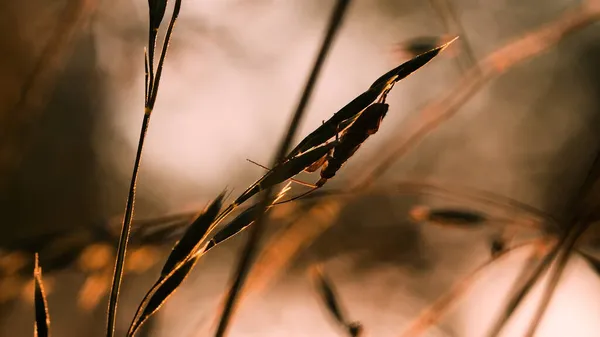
(42, 319)
(447, 217)
(410, 66)
(193, 236)
(355, 135)
(285, 171)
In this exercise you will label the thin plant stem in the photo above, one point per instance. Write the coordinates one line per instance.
(256, 230)
(150, 94)
(125, 231)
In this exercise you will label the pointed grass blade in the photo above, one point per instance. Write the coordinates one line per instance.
(160, 293)
(42, 318)
(410, 66)
(285, 171)
(193, 236)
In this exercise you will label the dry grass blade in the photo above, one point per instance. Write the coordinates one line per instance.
(42, 318)
(335, 124)
(250, 249)
(154, 81)
(431, 316)
(329, 297)
(193, 236)
(285, 171)
(179, 264)
(440, 110)
(160, 293)
(365, 125)
(239, 223)
(410, 66)
(129, 208)
(156, 9)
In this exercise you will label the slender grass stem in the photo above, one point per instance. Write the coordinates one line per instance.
(151, 90)
(126, 229)
(250, 249)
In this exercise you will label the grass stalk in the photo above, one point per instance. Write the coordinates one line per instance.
(151, 85)
(125, 231)
(256, 230)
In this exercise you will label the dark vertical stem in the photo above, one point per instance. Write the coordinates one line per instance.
(126, 228)
(256, 230)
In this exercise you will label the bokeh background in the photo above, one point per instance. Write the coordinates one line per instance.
(71, 103)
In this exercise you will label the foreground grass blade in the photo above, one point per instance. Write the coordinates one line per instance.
(151, 95)
(193, 236)
(179, 264)
(329, 297)
(410, 66)
(239, 223)
(333, 125)
(161, 292)
(250, 249)
(285, 171)
(42, 318)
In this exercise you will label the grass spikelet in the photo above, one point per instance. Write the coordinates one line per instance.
(179, 264)
(329, 298)
(193, 236)
(285, 171)
(410, 66)
(241, 222)
(160, 293)
(42, 318)
(336, 123)
(332, 126)
(448, 217)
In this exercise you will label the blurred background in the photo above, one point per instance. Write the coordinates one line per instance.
(71, 105)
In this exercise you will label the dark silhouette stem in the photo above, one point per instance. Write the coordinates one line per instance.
(126, 229)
